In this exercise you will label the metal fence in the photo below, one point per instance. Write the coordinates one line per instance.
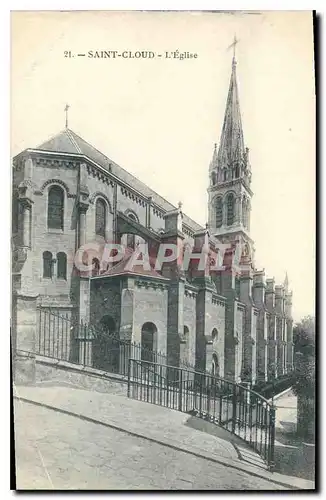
(234, 407)
(63, 338)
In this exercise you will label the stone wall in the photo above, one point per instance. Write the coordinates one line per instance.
(151, 305)
(51, 371)
(24, 316)
(105, 300)
(45, 175)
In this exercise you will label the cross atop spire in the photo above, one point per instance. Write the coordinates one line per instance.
(233, 45)
(66, 111)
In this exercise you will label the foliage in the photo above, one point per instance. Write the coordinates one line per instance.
(304, 347)
(304, 336)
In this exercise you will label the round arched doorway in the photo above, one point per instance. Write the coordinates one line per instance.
(148, 341)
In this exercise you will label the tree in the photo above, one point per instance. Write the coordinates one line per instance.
(304, 336)
(304, 348)
(304, 339)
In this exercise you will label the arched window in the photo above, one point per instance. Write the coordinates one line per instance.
(95, 267)
(219, 212)
(47, 265)
(55, 208)
(244, 212)
(230, 209)
(132, 216)
(62, 265)
(213, 178)
(214, 334)
(237, 171)
(131, 237)
(224, 175)
(148, 341)
(100, 217)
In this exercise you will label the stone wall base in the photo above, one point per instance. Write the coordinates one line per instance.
(64, 373)
(24, 371)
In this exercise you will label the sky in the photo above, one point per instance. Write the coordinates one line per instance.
(159, 118)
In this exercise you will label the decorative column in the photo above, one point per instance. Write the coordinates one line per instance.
(25, 200)
(83, 204)
(26, 222)
(84, 340)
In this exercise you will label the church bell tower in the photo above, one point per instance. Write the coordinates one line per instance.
(229, 193)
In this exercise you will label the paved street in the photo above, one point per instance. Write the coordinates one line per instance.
(129, 445)
(55, 451)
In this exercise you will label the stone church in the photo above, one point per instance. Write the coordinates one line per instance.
(67, 195)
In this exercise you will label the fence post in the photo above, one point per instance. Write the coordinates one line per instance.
(234, 407)
(271, 462)
(180, 390)
(129, 373)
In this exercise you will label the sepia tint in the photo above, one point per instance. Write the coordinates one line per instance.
(163, 332)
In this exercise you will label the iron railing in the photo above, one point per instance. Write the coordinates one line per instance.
(62, 337)
(234, 407)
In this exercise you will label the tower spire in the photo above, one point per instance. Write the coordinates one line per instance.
(229, 203)
(286, 282)
(232, 148)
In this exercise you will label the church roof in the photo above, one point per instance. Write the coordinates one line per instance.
(121, 269)
(68, 141)
(231, 142)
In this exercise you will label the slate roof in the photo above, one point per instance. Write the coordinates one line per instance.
(68, 141)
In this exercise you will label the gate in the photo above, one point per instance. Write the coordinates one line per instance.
(234, 407)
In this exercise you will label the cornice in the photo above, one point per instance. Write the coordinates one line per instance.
(151, 283)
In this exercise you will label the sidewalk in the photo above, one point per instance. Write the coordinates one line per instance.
(159, 425)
